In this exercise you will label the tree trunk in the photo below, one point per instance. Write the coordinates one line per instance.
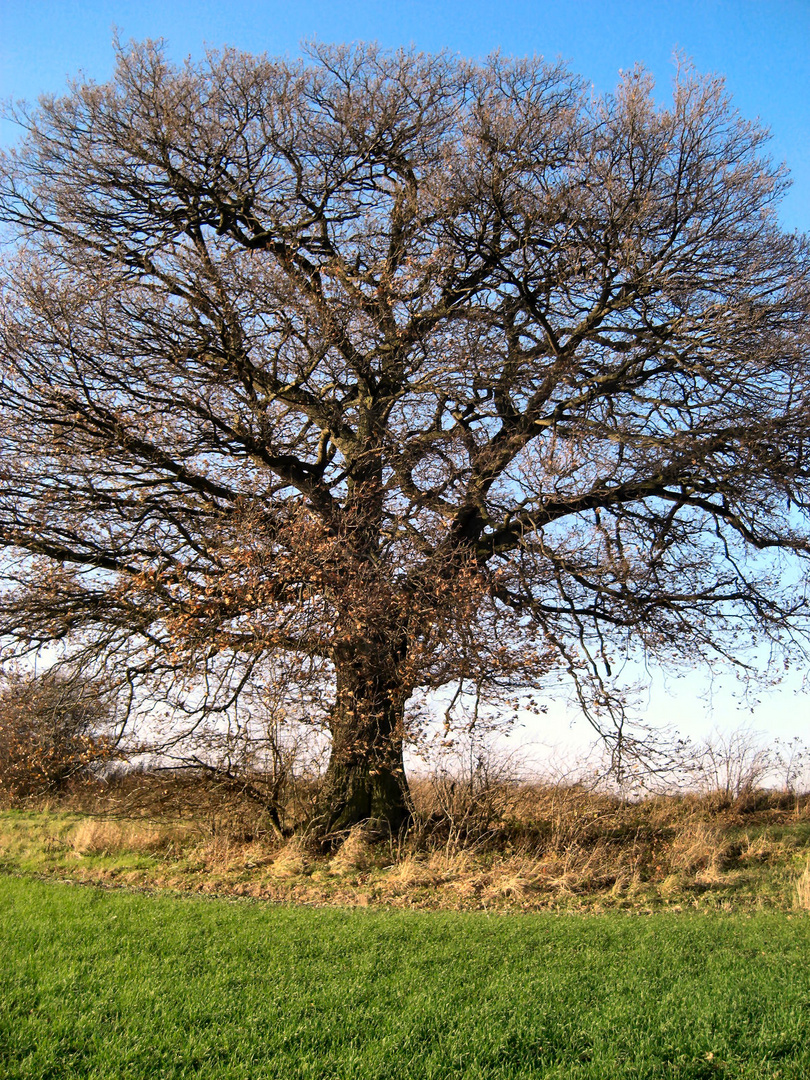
(365, 779)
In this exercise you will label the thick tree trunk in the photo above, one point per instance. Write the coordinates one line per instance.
(365, 779)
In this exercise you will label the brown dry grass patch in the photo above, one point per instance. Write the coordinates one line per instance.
(524, 846)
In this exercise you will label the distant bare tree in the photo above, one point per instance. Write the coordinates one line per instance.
(792, 765)
(731, 764)
(385, 371)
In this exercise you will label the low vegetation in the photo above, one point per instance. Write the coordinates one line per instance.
(681, 953)
(508, 846)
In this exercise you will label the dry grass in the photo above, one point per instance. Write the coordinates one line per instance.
(413, 873)
(355, 853)
(802, 889)
(99, 837)
(698, 847)
(523, 846)
(293, 859)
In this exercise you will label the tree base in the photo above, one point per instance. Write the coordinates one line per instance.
(359, 795)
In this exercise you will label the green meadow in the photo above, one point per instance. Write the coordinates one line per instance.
(104, 983)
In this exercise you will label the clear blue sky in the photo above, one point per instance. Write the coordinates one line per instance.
(762, 47)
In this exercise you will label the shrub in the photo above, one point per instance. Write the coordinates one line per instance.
(53, 726)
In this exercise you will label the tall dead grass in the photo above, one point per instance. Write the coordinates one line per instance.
(802, 889)
(100, 837)
(504, 842)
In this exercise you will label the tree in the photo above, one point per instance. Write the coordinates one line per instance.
(383, 372)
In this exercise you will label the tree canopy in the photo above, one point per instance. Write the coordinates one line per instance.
(377, 373)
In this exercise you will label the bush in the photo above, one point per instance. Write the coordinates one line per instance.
(53, 727)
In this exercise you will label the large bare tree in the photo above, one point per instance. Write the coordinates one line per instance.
(382, 372)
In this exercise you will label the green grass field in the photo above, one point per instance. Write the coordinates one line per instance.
(99, 983)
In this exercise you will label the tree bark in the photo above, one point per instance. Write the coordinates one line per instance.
(365, 780)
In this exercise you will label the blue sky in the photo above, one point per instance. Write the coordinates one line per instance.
(762, 47)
